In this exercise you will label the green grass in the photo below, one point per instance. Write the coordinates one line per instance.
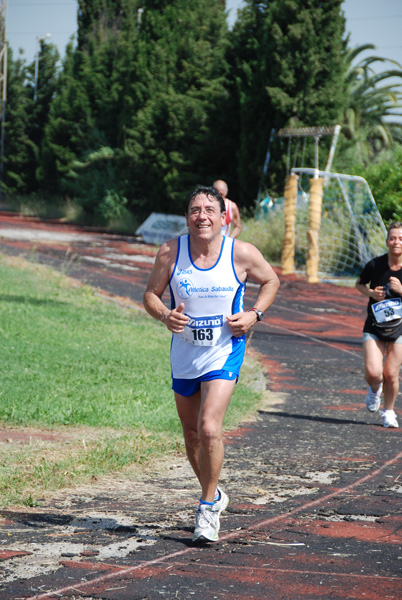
(70, 359)
(31, 471)
(94, 372)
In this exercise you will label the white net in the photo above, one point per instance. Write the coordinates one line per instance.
(352, 230)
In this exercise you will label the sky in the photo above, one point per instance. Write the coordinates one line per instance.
(367, 21)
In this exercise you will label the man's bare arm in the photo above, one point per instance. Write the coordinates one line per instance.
(236, 220)
(174, 320)
(250, 264)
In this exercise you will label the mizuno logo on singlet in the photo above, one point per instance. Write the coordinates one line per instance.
(201, 322)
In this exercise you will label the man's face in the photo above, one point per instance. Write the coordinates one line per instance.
(204, 217)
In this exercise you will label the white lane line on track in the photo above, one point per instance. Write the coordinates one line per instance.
(123, 572)
(302, 312)
(266, 568)
(35, 235)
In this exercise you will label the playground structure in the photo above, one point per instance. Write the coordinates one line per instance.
(335, 229)
(332, 224)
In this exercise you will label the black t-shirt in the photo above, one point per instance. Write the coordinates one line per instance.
(377, 272)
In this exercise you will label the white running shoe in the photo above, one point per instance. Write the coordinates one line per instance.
(389, 418)
(206, 524)
(373, 399)
(221, 504)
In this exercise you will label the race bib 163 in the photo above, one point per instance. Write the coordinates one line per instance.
(203, 331)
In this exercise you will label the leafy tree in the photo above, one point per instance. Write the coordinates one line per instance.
(147, 97)
(107, 33)
(385, 180)
(69, 131)
(98, 19)
(41, 93)
(144, 107)
(17, 145)
(371, 106)
(289, 68)
(88, 115)
(181, 71)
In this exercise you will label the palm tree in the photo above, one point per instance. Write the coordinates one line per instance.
(369, 118)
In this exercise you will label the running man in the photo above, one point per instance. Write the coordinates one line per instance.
(232, 211)
(206, 273)
(381, 281)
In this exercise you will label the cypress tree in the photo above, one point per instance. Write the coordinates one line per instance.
(289, 69)
(132, 123)
(88, 115)
(68, 133)
(107, 35)
(98, 19)
(45, 85)
(180, 88)
(17, 145)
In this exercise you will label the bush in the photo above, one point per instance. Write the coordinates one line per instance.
(385, 181)
(266, 234)
(40, 205)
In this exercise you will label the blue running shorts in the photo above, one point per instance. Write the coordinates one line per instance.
(188, 387)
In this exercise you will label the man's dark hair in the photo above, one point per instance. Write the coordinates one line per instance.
(208, 191)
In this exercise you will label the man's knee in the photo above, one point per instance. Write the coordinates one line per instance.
(191, 436)
(210, 433)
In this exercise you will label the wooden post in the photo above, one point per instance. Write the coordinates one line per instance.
(289, 240)
(315, 207)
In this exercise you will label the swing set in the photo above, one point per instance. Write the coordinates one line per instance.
(353, 231)
(315, 197)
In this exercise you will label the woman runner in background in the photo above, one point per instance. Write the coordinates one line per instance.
(381, 281)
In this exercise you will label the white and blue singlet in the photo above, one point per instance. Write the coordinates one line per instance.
(209, 296)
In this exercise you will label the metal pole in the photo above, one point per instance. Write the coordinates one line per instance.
(36, 70)
(333, 146)
(317, 166)
(3, 78)
(266, 163)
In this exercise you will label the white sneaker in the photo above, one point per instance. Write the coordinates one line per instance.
(389, 418)
(206, 524)
(373, 399)
(221, 504)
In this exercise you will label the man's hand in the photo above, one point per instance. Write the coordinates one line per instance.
(175, 320)
(241, 322)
